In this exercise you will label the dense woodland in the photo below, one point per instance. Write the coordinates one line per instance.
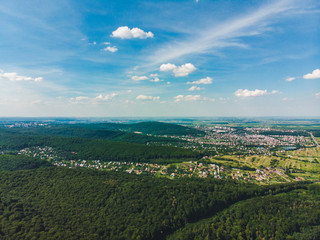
(89, 131)
(20, 162)
(316, 132)
(293, 215)
(154, 128)
(105, 150)
(107, 130)
(62, 203)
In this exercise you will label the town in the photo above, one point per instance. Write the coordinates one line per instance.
(247, 141)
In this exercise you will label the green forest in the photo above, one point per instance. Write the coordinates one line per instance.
(61, 203)
(89, 131)
(293, 215)
(152, 127)
(106, 150)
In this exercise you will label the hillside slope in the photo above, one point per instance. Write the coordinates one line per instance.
(62, 203)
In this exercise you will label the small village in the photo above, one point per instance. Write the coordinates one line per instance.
(175, 170)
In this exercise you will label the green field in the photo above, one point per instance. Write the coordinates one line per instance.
(303, 163)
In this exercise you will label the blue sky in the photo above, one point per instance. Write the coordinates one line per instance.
(159, 58)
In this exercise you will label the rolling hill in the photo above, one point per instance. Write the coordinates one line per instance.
(154, 128)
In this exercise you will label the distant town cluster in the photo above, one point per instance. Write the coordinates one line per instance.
(228, 140)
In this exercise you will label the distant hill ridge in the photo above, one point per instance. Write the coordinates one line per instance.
(86, 131)
(152, 127)
(136, 133)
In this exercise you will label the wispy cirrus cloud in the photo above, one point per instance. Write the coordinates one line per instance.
(225, 34)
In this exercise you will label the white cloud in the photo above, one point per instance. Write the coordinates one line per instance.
(106, 43)
(106, 97)
(79, 99)
(139, 78)
(156, 79)
(244, 93)
(144, 97)
(275, 92)
(13, 76)
(290, 79)
(127, 33)
(82, 99)
(167, 67)
(247, 93)
(180, 98)
(207, 80)
(110, 96)
(184, 70)
(317, 94)
(179, 71)
(111, 49)
(193, 88)
(314, 75)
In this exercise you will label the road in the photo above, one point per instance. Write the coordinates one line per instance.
(315, 141)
